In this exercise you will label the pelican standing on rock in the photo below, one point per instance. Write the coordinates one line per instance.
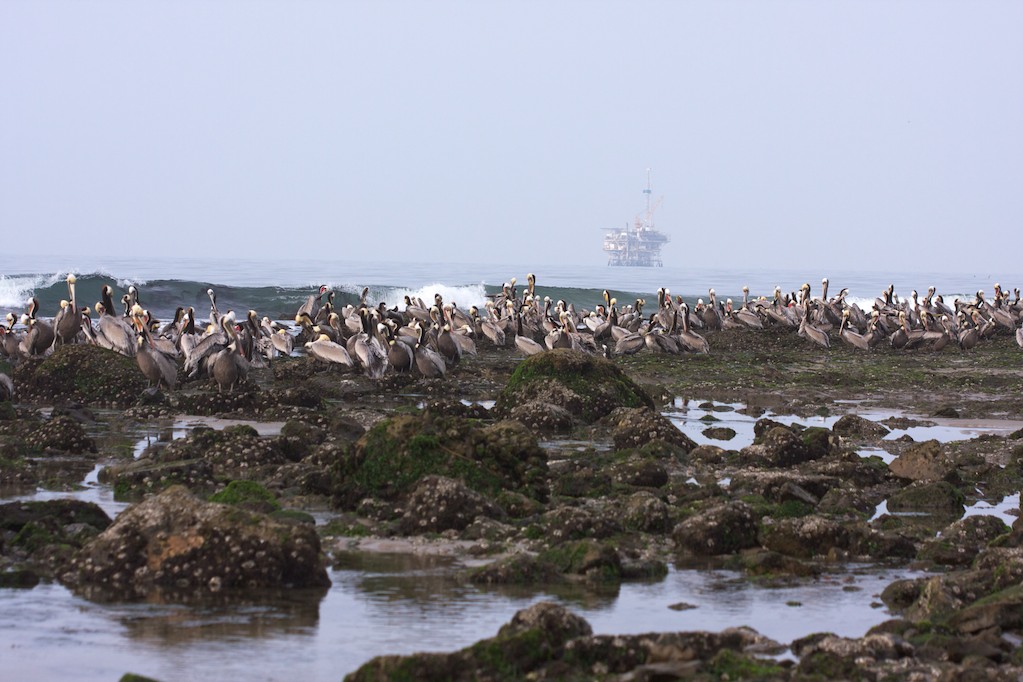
(158, 366)
(69, 322)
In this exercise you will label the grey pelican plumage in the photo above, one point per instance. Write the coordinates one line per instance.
(6, 388)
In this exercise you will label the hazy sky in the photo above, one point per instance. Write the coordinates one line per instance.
(782, 133)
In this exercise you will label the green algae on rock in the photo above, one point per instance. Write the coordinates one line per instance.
(391, 458)
(588, 386)
(80, 373)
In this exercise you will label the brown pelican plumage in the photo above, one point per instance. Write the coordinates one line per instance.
(228, 366)
(400, 352)
(114, 332)
(367, 348)
(68, 322)
(6, 388)
(40, 334)
(312, 304)
(429, 362)
(810, 331)
(158, 366)
(690, 340)
(325, 350)
(854, 339)
(10, 342)
(524, 343)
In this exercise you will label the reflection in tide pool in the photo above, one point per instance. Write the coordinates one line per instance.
(388, 604)
(693, 417)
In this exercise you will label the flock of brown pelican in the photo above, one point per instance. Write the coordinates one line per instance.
(429, 339)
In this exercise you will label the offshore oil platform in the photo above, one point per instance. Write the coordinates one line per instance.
(638, 245)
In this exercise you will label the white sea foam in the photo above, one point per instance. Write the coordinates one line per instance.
(464, 296)
(15, 291)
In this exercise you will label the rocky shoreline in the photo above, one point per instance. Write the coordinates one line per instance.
(573, 476)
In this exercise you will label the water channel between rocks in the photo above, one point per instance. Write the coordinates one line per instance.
(403, 603)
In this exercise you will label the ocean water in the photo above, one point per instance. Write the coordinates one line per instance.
(277, 287)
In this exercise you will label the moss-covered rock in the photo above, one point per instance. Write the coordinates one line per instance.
(939, 498)
(247, 495)
(588, 386)
(391, 458)
(80, 373)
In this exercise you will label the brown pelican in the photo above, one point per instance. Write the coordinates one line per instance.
(114, 332)
(280, 339)
(446, 346)
(158, 366)
(428, 361)
(325, 350)
(312, 304)
(367, 348)
(229, 366)
(325, 311)
(711, 315)
(40, 335)
(10, 343)
(68, 322)
(400, 354)
(900, 337)
(490, 325)
(810, 331)
(690, 340)
(6, 388)
(852, 338)
(526, 344)
(781, 313)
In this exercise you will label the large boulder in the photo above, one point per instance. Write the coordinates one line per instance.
(781, 446)
(962, 541)
(856, 427)
(724, 529)
(924, 462)
(803, 537)
(176, 544)
(588, 386)
(391, 458)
